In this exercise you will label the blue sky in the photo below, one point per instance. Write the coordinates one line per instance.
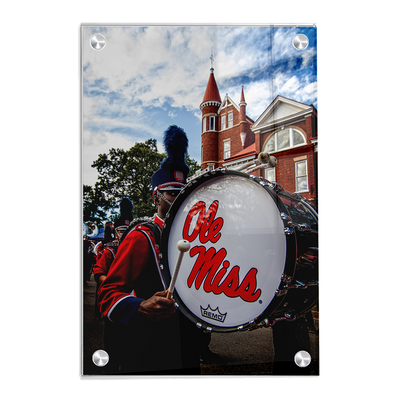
(149, 77)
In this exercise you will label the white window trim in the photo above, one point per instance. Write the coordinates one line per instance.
(204, 124)
(227, 141)
(266, 174)
(212, 118)
(223, 122)
(291, 146)
(230, 121)
(295, 176)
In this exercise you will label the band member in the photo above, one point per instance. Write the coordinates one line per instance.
(125, 217)
(105, 253)
(112, 339)
(108, 240)
(112, 235)
(133, 295)
(88, 259)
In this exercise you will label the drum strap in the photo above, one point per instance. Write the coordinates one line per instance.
(111, 251)
(148, 278)
(156, 230)
(148, 223)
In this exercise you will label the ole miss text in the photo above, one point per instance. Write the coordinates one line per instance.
(209, 261)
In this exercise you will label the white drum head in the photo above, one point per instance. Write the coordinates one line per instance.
(233, 269)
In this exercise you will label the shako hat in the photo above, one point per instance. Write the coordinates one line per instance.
(173, 170)
(108, 232)
(126, 215)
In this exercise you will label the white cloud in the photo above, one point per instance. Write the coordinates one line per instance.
(144, 69)
(258, 97)
(290, 85)
(171, 114)
(96, 144)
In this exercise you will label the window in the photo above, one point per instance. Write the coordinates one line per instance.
(227, 149)
(300, 168)
(230, 120)
(297, 138)
(270, 174)
(212, 124)
(284, 139)
(223, 122)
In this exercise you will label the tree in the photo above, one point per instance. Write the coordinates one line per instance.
(92, 200)
(128, 174)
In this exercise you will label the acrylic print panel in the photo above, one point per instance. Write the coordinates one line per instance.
(140, 76)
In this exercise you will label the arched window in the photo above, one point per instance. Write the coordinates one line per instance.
(284, 139)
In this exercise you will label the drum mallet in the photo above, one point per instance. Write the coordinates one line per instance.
(183, 246)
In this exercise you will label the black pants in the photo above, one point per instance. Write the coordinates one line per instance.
(170, 347)
(289, 338)
(115, 341)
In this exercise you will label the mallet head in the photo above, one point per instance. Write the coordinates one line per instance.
(183, 245)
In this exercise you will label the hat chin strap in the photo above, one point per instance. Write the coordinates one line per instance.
(159, 194)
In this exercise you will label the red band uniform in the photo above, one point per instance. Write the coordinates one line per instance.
(167, 346)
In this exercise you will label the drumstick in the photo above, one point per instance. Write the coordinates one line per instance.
(183, 246)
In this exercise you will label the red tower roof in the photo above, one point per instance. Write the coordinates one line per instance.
(242, 100)
(212, 92)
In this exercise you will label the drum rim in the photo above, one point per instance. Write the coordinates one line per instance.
(288, 269)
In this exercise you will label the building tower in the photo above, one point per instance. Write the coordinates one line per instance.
(209, 137)
(243, 120)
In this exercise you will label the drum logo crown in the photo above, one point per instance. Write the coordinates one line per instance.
(213, 314)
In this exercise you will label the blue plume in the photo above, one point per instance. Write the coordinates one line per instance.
(176, 144)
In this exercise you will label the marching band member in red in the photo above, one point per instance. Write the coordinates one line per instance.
(107, 240)
(161, 339)
(112, 337)
(113, 233)
(105, 254)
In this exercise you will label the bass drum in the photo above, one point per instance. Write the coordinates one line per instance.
(253, 255)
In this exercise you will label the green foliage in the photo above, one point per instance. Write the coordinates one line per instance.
(125, 174)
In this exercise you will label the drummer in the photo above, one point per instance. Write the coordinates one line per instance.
(133, 295)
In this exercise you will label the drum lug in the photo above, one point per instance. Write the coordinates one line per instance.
(303, 227)
(301, 285)
(286, 217)
(278, 188)
(290, 228)
(279, 293)
(205, 329)
(289, 231)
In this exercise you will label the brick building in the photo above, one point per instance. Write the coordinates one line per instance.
(287, 129)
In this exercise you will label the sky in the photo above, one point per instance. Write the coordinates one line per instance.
(149, 77)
